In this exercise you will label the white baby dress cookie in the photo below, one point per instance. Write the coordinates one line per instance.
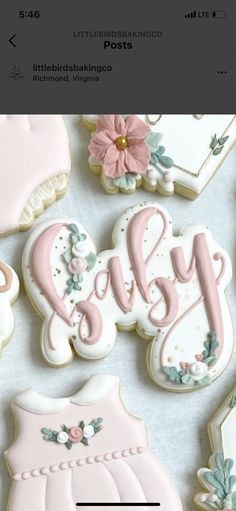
(171, 289)
(34, 167)
(164, 153)
(9, 289)
(219, 481)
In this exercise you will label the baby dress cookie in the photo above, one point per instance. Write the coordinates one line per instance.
(9, 289)
(219, 481)
(170, 288)
(86, 448)
(34, 167)
(164, 153)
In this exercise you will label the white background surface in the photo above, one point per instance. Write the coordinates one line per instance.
(176, 423)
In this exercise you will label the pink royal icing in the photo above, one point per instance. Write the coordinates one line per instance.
(117, 464)
(33, 149)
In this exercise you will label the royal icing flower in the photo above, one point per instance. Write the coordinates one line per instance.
(120, 145)
(199, 357)
(77, 265)
(81, 248)
(88, 431)
(198, 370)
(78, 257)
(75, 434)
(62, 437)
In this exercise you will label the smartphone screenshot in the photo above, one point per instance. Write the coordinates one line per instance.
(117, 256)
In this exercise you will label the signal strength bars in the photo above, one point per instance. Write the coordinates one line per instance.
(192, 14)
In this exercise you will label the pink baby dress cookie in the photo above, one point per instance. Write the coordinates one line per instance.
(34, 167)
(9, 289)
(162, 153)
(86, 448)
(170, 288)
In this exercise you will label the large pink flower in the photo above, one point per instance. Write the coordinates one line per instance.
(120, 145)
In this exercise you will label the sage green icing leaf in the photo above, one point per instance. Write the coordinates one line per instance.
(210, 478)
(77, 286)
(68, 444)
(219, 461)
(65, 428)
(232, 402)
(46, 431)
(214, 142)
(222, 140)
(73, 228)
(153, 141)
(210, 360)
(228, 466)
(127, 181)
(91, 260)
(84, 441)
(99, 420)
(67, 256)
(232, 481)
(219, 475)
(81, 424)
(74, 238)
(160, 151)
(187, 379)
(166, 161)
(217, 150)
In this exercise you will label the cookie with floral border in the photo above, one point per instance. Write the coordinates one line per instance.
(219, 480)
(9, 289)
(34, 167)
(163, 153)
(170, 288)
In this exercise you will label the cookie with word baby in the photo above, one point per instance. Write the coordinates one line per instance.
(171, 289)
(84, 449)
(164, 153)
(34, 167)
(9, 289)
(219, 480)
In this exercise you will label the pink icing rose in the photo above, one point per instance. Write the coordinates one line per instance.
(75, 434)
(120, 145)
(184, 365)
(77, 264)
(200, 358)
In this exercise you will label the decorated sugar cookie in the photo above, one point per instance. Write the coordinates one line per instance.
(219, 481)
(9, 288)
(164, 153)
(82, 449)
(170, 288)
(34, 167)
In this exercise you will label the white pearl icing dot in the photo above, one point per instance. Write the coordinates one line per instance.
(62, 437)
(88, 431)
(198, 370)
(168, 176)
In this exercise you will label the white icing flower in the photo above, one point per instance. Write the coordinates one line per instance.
(81, 248)
(88, 431)
(198, 370)
(62, 437)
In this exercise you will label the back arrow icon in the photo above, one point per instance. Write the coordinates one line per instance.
(11, 40)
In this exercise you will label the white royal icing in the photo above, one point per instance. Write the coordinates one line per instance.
(174, 310)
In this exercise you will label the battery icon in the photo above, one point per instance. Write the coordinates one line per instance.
(219, 14)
